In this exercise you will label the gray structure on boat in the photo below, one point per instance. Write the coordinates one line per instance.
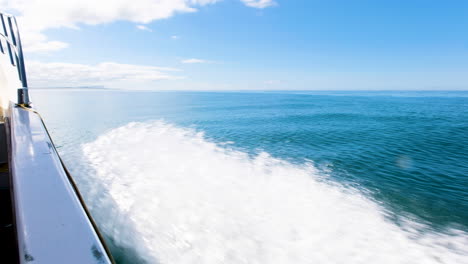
(43, 218)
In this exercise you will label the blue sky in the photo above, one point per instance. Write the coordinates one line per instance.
(259, 45)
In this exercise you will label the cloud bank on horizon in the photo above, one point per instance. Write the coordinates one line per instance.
(105, 74)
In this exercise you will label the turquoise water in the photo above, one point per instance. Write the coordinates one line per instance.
(391, 169)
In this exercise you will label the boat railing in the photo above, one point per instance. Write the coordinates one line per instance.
(10, 42)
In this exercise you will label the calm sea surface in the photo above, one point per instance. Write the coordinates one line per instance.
(269, 177)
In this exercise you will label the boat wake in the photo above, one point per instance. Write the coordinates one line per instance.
(173, 196)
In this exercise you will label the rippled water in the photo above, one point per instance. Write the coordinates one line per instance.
(263, 177)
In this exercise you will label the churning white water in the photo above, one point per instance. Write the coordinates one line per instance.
(175, 197)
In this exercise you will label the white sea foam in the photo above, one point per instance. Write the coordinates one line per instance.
(175, 197)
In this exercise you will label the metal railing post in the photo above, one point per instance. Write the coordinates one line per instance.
(23, 97)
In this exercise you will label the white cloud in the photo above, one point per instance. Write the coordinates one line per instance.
(175, 37)
(37, 42)
(144, 28)
(45, 46)
(35, 16)
(192, 61)
(106, 73)
(259, 3)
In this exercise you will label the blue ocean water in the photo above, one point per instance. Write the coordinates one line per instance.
(395, 163)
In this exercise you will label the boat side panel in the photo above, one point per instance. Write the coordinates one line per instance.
(52, 225)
